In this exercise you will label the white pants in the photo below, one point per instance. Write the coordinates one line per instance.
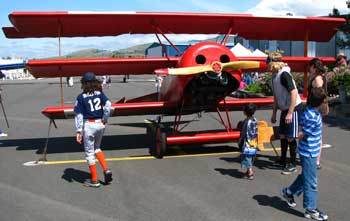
(93, 133)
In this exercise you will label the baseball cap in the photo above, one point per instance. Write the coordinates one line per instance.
(89, 76)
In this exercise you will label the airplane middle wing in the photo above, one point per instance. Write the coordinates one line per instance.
(99, 66)
(133, 66)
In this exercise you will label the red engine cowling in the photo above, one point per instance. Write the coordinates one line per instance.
(203, 89)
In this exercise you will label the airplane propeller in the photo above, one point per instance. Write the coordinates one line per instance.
(216, 67)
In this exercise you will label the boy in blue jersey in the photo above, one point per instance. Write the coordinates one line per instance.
(92, 110)
(308, 148)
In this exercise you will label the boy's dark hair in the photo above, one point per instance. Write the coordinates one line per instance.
(90, 86)
(317, 63)
(249, 109)
(316, 97)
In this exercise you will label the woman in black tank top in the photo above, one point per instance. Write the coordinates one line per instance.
(317, 75)
(318, 79)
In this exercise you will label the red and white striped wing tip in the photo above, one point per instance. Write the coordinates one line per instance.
(163, 71)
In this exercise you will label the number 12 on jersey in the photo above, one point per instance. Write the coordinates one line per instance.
(95, 104)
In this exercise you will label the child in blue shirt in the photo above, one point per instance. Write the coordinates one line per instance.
(248, 139)
(308, 148)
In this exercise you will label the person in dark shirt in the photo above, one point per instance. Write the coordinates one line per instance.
(288, 101)
(2, 133)
(318, 80)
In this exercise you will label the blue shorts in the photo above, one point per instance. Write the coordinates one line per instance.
(247, 161)
(291, 130)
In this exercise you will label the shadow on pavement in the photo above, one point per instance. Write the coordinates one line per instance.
(277, 203)
(261, 161)
(339, 115)
(68, 144)
(231, 172)
(73, 175)
(343, 123)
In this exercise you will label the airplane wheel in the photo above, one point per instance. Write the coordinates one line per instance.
(161, 146)
(151, 132)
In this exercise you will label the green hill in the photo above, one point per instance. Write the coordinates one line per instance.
(134, 51)
(90, 53)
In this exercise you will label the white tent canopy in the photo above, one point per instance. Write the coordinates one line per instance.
(240, 51)
(258, 53)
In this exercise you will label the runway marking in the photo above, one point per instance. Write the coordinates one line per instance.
(58, 162)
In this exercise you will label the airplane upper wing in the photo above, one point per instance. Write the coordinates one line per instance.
(83, 24)
(121, 66)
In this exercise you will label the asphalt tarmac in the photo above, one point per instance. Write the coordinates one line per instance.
(198, 182)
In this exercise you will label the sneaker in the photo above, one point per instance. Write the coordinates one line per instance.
(289, 170)
(248, 177)
(108, 176)
(315, 214)
(319, 166)
(288, 198)
(90, 183)
(326, 145)
(3, 135)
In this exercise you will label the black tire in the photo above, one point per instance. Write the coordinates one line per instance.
(160, 145)
(151, 133)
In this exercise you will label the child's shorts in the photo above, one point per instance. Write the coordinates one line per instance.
(247, 161)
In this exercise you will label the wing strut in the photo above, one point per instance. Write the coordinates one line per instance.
(43, 157)
(59, 55)
(162, 33)
(306, 40)
(163, 46)
(227, 35)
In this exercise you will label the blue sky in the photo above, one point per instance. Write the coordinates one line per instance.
(46, 47)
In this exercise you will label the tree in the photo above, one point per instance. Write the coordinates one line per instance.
(343, 42)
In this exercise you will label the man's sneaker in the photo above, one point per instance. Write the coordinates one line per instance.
(90, 183)
(288, 198)
(108, 176)
(289, 170)
(315, 214)
(3, 135)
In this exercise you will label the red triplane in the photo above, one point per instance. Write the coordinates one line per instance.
(197, 80)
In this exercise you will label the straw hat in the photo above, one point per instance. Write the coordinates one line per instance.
(341, 54)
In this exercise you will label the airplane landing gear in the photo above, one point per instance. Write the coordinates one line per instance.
(159, 146)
